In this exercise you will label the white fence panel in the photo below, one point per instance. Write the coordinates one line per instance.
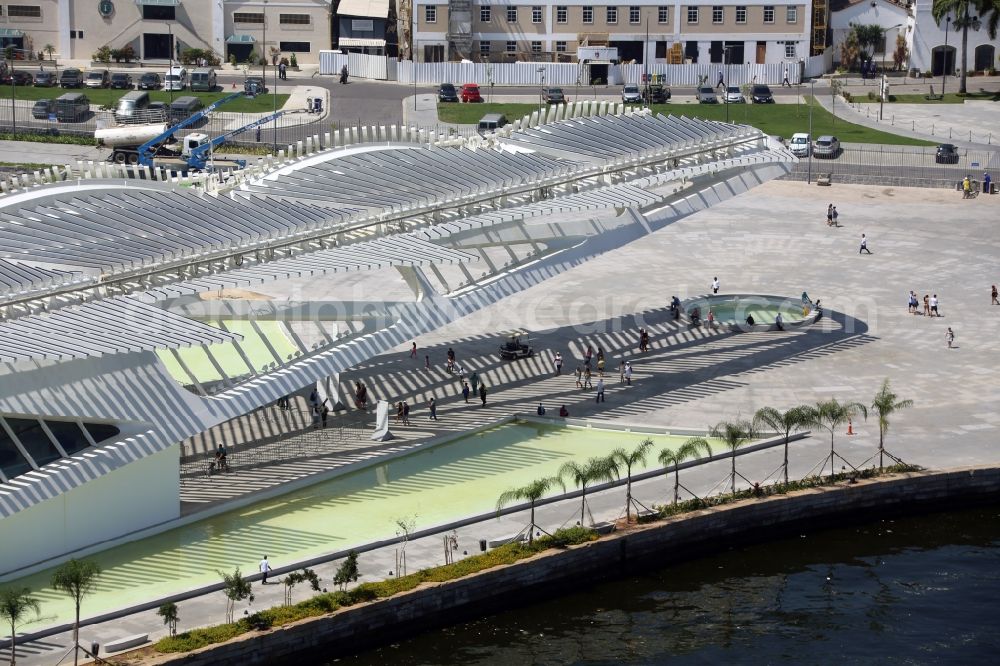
(359, 65)
(818, 65)
(692, 75)
(501, 73)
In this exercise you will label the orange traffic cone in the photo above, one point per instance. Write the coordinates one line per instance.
(850, 428)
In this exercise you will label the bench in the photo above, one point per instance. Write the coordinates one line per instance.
(605, 527)
(128, 642)
(496, 543)
(823, 179)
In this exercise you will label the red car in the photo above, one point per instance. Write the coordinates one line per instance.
(470, 93)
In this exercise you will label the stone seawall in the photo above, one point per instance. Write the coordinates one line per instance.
(437, 604)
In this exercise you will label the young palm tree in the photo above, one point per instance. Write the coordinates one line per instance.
(77, 579)
(628, 460)
(963, 16)
(168, 612)
(692, 448)
(885, 404)
(783, 423)
(595, 470)
(530, 493)
(14, 607)
(831, 415)
(733, 434)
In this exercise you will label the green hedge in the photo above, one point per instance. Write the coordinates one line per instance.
(49, 138)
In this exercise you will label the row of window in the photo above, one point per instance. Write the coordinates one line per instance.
(634, 14)
(283, 19)
(510, 46)
(22, 11)
(24, 441)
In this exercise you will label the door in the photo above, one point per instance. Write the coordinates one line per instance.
(761, 52)
(943, 60)
(598, 74)
(155, 46)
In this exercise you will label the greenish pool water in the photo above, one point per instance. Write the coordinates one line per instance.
(437, 485)
(735, 310)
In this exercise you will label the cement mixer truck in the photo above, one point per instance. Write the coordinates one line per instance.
(124, 140)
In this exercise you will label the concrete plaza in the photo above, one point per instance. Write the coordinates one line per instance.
(773, 240)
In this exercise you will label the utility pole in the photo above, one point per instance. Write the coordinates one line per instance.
(812, 101)
(944, 54)
(170, 31)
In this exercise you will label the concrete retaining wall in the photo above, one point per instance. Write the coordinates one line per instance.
(432, 605)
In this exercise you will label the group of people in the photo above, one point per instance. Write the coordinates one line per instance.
(360, 395)
(930, 303)
(968, 186)
(319, 409)
(831, 216)
(643, 341)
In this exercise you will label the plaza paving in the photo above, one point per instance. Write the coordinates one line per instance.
(772, 240)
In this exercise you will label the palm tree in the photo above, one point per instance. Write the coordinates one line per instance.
(831, 415)
(885, 404)
(595, 470)
(530, 493)
(168, 612)
(628, 460)
(990, 12)
(14, 607)
(782, 423)
(48, 48)
(733, 434)
(964, 18)
(692, 448)
(76, 578)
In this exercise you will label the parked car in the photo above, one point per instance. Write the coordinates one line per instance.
(41, 109)
(17, 77)
(631, 95)
(447, 93)
(71, 78)
(761, 95)
(706, 95)
(204, 79)
(734, 95)
(45, 79)
(800, 144)
(946, 153)
(553, 95)
(826, 146)
(491, 122)
(470, 93)
(150, 81)
(254, 85)
(184, 107)
(656, 93)
(98, 78)
(121, 81)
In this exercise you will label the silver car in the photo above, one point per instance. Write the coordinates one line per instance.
(706, 95)
(826, 146)
(734, 95)
(631, 95)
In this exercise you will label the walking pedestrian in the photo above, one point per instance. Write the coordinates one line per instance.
(600, 365)
(934, 306)
(482, 393)
(600, 390)
(324, 413)
(864, 245)
(265, 568)
(993, 295)
(317, 416)
(927, 305)
(628, 373)
(434, 409)
(314, 398)
(911, 303)
(579, 376)
(586, 378)
(829, 215)
(778, 321)
(986, 182)
(557, 362)
(451, 359)
(621, 372)
(474, 381)
(406, 413)
(722, 81)
(949, 337)
(399, 411)
(784, 81)
(258, 134)
(834, 216)
(715, 285)
(465, 391)
(589, 354)
(413, 350)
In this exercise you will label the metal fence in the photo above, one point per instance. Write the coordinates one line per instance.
(943, 128)
(904, 166)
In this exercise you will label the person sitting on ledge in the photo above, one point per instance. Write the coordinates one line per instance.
(750, 321)
(541, 410)
(563, 412)
(696, 317)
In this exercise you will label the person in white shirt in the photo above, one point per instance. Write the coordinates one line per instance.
(778, 322)
(934, 306)
(715, 285)
(265, 568)
(600, 390)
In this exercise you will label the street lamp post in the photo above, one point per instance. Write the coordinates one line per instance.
(263, 45)
(812, 101)
(727, 50)
(541, 93)
(170, 86)
(944, 65)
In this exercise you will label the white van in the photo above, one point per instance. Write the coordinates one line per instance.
(176, 78)
(799, 145)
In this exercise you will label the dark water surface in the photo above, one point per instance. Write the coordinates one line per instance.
(919, 590)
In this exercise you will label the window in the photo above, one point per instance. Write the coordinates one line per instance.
(588, 14)
(790, 50)
(511, 14)
(76, 34)
(612, 15)
(295, 47)
(246, 17)
(536, 47)
(484, 49)
(791, 14)
(294, 19)
(768, 13)
(633, 15)
(663, 14)
(430, 14)
(560, 47)
(511, 46)
(159, 13)
(484, 15)
(536, 14)
(692, 14)
(718, 14)
(27, 11)
(741, 14)
(562, 14)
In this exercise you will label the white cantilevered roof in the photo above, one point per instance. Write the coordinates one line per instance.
(366, 8)
(109, 326)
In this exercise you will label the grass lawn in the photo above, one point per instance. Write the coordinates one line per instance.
(949, 98)
(108, 97)
(782, 120)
